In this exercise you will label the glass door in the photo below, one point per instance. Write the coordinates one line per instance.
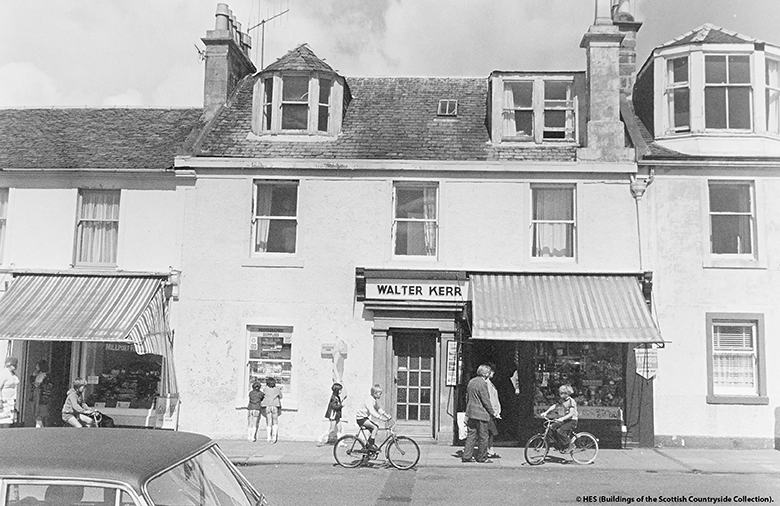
(414, 370)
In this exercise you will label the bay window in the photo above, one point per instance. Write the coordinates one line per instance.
(298, 103)
(97, 229)
(732, 218)
(552, 221)
(415, 219)
(773, 96)
(678, 94)
(735, 358)
(275, 218)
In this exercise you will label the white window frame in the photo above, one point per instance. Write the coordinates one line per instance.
(751, 214)
(4, 195)
(257, 217)
(447, 107)
(274, 103)
(326, 105)
(82, 223)
(539, 108)
(672, 87)
(772, 97)
(537, 222)
(396, 220)
(754, 351)
(253, 341)
(728, 85)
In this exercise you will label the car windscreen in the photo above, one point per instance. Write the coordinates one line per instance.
(204, 480)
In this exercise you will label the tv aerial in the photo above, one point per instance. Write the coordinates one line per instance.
(262, 24)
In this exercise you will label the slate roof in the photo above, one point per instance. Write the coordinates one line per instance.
(709, 34)
(392, 118)
(93, 138)
(300, 58)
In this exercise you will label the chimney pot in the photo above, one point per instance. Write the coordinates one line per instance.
(222, 17)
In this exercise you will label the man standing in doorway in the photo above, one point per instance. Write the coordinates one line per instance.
(478, 411)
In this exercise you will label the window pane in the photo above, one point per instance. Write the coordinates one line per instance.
(322, 120)
(556, 90)
(295, 89)
(518, 94)
(325, 91)
(715, 107)
(739, 108)
(276, 200)
(739, 69)
(733, 198)
(715, 69)
(553, 240)
(524, 123)
(555, 119)
(418, 203)
(681, 107)
(732, 235)
(413, 238)
(773, 111)
(553, 204)
(281, 236)
(98, 227)
(295, 117)
(679, 70)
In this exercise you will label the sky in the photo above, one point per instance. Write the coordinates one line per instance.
(144, 53)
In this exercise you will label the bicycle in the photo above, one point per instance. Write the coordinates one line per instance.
(584, 449)
(97, 420)
(402, 452)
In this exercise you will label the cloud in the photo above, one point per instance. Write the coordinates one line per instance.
(129, 97)
(22, 84)
(183, 87)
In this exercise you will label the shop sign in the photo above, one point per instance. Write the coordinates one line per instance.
(121, 347)
(452, 364)
(436, 290)
(646, 362)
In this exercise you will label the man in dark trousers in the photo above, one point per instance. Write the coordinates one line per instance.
(478, 410)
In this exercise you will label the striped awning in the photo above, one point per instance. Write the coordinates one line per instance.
(80, 308)
(571, 307)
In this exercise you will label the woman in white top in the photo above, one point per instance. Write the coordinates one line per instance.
(9, 384)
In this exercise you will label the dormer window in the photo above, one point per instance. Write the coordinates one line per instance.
(297, 104)
(538, 109)
(678, 94)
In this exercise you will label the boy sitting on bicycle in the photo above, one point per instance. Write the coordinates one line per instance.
(371, 409)
(566, 411)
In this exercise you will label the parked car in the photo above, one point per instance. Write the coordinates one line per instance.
(118, 467)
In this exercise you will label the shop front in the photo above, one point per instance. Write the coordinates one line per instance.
(542, 331)
(416, 323)
(110, 329)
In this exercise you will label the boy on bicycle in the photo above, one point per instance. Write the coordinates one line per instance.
(566, 410)
(370, 408)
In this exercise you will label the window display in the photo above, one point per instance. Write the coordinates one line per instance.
(119, 377)
(596, 371)
(270, 355)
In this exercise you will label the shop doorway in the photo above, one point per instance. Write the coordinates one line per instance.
(414, 377)
(57, 355)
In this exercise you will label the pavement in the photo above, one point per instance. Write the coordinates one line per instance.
(686, 460)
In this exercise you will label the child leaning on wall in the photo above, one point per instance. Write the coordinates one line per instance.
(253, 408)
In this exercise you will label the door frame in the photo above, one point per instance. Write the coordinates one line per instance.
(392, 398)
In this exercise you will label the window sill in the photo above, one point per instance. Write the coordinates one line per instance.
(291, 262)
(292, 136)
(733, 263)
(287, 404)
(735, 399)
(529, 142)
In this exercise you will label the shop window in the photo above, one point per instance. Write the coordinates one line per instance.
(552, 221)
(773, 96)
(97, 230)
(727, 92)
(596, 371)
(275, 219)
(678, 95)
(735, 359)
(539, 110)
(71, 494)
(732, 218)
(270, 355)
(118, 377)
(3, 218)
(415, 220)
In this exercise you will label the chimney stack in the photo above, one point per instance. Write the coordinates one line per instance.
(227, 59)
(624, 18)
(605, 131)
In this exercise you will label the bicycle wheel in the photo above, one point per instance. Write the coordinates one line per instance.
(586, 447)
(536, 450)
(349, 451)
(403, 453)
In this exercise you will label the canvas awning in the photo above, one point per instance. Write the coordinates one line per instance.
(558, 307)
(93, 308)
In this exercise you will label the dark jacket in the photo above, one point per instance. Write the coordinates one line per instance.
(334, 406)
(478, 405)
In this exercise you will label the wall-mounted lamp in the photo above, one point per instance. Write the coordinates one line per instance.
(172, 285)
(639, 186)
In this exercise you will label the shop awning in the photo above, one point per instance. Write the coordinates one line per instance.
(572, 307)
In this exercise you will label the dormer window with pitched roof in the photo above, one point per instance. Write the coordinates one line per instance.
(535, 108)
(715, 81)
(299, 94)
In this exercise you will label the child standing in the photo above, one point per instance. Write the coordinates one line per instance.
(272, 406)
(253, 410)
(333, 413)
